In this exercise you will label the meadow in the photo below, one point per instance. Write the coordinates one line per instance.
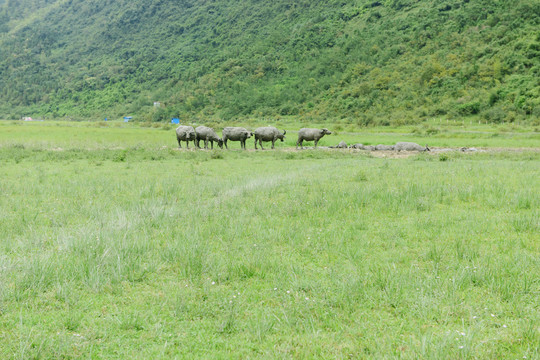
(113, 244)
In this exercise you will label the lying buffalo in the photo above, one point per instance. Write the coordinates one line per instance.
(185, 133)
(307, 134)
(382, 147)
(410, 146)
(268, 133)
(207, 134)
(356, 146)
(341, 145)
(236, 134)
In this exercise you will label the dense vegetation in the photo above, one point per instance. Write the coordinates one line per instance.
(364, 62)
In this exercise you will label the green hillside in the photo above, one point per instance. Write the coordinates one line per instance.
(366, 62)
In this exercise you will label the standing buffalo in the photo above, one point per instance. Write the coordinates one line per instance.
(311, 135)
(207, 134)
(236, 134)
(268, 133)
(410, 146)
(185, 133)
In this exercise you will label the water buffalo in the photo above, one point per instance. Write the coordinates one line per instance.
(384, 147)
(341, 145)
(268, 133)
(410, 146)
(185, 133)
(207, 134)
(236, 134)
(356, 146)
(306, 134)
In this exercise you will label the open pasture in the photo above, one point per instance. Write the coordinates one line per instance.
(119, 135)
(112, 246)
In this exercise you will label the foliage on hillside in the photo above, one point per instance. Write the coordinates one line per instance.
(387, 61)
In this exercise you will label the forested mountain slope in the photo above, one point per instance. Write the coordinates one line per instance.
(389, 61)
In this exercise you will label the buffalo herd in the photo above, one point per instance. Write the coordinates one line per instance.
(271, 134)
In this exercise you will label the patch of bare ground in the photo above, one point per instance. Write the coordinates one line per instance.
(387, 153)
(438, 150)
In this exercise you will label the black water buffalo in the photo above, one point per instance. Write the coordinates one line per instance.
(185, 133)
(382, 147)
(236, 134)
(268, 133)
(207, 135)
(410, 146)
(307, 134)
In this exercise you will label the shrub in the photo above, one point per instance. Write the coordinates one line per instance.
(494, 115)
(469, 108)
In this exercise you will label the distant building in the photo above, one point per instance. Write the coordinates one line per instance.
(157, 104)
(175, 121)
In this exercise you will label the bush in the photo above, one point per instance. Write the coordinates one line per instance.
(494, 115)
(470, 108)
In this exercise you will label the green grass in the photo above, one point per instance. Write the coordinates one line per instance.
(119, 135)
(128, 250)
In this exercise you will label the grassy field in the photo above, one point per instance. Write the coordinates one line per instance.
(116, 135)
(115, 245)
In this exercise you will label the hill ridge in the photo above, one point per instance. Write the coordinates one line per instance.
(367, 62)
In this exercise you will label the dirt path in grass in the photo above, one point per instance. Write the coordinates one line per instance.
(439, 150)
(375, 153)
(393, 154)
